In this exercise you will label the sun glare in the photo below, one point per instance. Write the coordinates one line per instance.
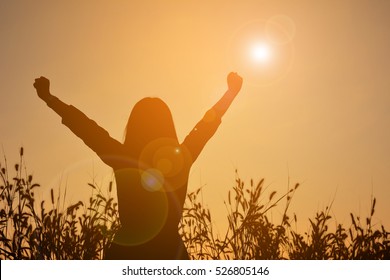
(261, 53)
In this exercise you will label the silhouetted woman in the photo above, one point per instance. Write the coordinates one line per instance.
(151, 169)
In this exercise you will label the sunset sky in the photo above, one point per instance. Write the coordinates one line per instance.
(314, 107)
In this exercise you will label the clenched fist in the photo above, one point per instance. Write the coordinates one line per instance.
(234, 82)
(42, 86)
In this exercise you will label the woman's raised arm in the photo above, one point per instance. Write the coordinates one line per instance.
(42, 85)
(234, 82)
(208, 125)
(94, 136)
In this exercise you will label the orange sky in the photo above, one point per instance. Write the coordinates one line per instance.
(317, 112)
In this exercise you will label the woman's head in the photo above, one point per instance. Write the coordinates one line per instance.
(149, 120)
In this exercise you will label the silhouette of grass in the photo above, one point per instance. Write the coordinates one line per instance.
(29, 230)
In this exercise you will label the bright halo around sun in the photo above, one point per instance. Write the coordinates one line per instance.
(261, 53)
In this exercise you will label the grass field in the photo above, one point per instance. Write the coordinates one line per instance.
(43, 230)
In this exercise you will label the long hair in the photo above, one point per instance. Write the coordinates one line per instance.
(149, 120)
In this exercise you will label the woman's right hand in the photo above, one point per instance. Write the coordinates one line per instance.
(42, 85)
(234, 82)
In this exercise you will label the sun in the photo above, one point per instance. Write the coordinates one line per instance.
(261, 53)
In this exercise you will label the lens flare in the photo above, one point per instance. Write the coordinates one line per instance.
(143, 207)
(152, 180)
(169, 159)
